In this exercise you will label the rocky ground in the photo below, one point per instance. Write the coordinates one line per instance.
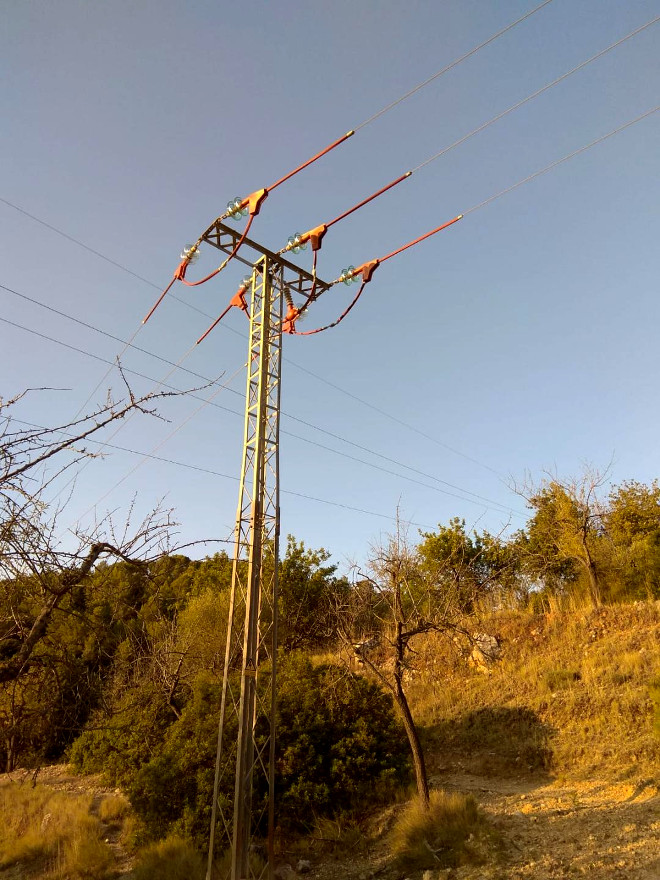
(549, 830)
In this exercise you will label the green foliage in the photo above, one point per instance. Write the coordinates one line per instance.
(337, 741)
(578, 546)
(464, 568)
(117, 745)
(309, 592)
(633, 526)
(546, 559)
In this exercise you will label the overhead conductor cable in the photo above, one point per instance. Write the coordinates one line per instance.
(298, 242)
(238, 207)
(367, 269)
(189, 254)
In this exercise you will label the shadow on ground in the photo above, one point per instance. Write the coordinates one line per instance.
(496, 741)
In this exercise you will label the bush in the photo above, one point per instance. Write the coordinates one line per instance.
(337, 743)
(437, 836)
(119, 746)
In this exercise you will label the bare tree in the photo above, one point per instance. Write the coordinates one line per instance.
(36, 561)
(400, 605)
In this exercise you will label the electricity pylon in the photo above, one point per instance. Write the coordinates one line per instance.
(243, 798)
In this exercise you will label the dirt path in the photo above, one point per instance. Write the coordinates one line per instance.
(589, 829)
(599, 830)
(550, 830)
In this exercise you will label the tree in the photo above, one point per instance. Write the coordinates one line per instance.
(309, 592)
(469, 567)
(564, 540)
(396, 591)
(632, 524)
(42, 577)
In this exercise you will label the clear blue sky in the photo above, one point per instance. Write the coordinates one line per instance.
(524, 338)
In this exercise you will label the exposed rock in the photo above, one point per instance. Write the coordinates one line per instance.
(486, 650)
(303, 866)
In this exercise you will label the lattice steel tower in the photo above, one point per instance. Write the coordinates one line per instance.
(243, 797)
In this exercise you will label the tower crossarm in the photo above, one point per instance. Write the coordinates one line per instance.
(296, 280)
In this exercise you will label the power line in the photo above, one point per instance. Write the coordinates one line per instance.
(470, 210)
(316, 234)
(214, 473)
(535, 94)
(178, 365)
(450, 66)
(238, 333)
(373, 264)
(225, 386)
(108, 335)
(563, 159)
(236, 413)
(393, 418)
(496, 504)
(161, 443)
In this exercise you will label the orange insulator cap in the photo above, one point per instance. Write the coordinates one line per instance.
(315, 236)
(367, 270)
(238, 299)
(254, 201)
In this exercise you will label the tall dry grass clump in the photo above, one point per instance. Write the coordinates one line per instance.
(171, 859)
(114, 808)
(51, 832)
(442, 836)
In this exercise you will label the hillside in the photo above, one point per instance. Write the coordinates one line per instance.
(555, 741)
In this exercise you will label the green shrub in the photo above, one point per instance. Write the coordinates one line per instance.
(119, 746)
(337, 743)
(438, 836)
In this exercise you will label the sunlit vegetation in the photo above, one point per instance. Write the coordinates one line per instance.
(532, 652)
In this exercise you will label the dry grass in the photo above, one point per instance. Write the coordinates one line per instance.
(114, 808)
(573, 694)
(171, 859)
(51, 833)
(444, 835)
(222, 866)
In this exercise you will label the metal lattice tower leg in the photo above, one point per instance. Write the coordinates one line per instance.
(243, 810)
(246, 734)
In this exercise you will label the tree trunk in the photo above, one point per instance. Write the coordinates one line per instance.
(590, 565)
(414, 741)
(9, 742)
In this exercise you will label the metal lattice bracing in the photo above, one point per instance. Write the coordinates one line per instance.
(243, 813)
